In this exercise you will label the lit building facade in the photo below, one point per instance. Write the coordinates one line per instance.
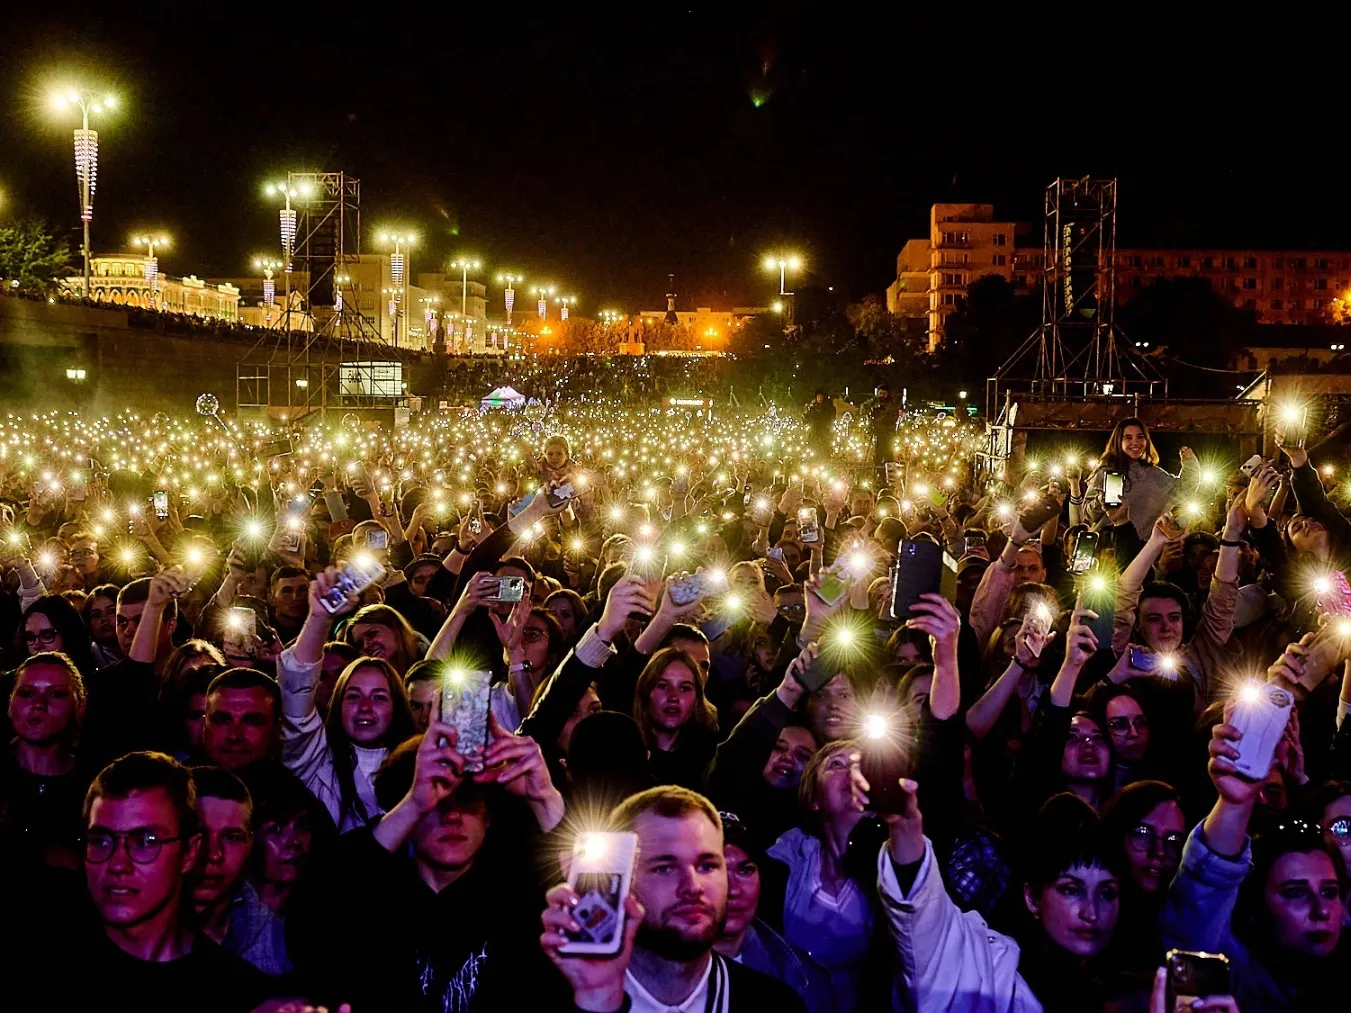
(397, 322)
(460, 309)
(133, 279)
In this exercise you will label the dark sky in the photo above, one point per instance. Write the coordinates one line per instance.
(603, 150)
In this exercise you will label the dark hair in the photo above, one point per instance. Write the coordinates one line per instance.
(1123, 811)
(1252, 921)
(519, 563)
(394, 777)
(340, 747)
(426, 670)
(1067, 832)
(108, 591)
(286, 572)
(1115, 459)
(1163, 589)
(247, 678)
(59, 660)
(891, 531)
(137, 592)
(67, 622)
(342, 649)
(147, 771)
(607, 759)
(213, 782)
(684, 631)
(384, 615)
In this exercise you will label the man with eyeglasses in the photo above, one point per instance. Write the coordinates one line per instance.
(141, 841)
(84, 556)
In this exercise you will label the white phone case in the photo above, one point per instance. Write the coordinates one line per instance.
(1261, 721)
(601, 875)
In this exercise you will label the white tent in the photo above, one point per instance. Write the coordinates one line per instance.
(504, 397)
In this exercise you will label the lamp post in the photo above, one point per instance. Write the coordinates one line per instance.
(86, 155)
(509, 293)
(398, 274)
(286, 217)
(564, 301)
(267, 265)
(465, 265)
(783, 263)
(151, 263)
(429, 304)
(542, 293)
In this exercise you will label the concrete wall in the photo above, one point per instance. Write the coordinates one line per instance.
(134, 366)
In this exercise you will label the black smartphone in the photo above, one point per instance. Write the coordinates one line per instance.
(918, 571)
(1193, 975)
(1038, 514)
(884, 761)
(818, 673)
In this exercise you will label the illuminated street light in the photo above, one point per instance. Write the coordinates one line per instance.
(86, 154)
(465, 265)
(564, 301)
(783, 263)
(287, 215)
(542, 293)
(398, 274)
(267, 265)
(152, 263)
(509, 294)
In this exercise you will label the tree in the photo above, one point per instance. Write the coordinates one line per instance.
(879, 333)
(33, 257)
(987, 328)
(1197, 324)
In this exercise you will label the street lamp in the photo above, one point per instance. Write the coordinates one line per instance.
(783, 263)
(565, 301)
(86, 154)
(398, 273)
(429, 304)
(465, 265)
(267, 265)
(151, 263)
(509, 294)
(286, 218)
(542, 293)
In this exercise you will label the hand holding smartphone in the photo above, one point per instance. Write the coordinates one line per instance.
(601, 874)
(465, 699)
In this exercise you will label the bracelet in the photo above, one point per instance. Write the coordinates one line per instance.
(462, 552)
(1077, 502)
(1231, 545)
(520, 667)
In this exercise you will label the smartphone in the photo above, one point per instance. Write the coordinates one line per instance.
(919, 571)
(1193, 975)
(750, 493)
(464, 705)
(1113, 485)
(316, 490)
(883, 762)
(893, 471)
(78, 492)
(687, 591)
(561, 495)
(353, 578)
(601, 875)
(1037, 620)
(1336, 600)
(818, 673)
(680, 484)
(1085, 552)
(774, 552)
(510, 589)
(808, 529)
(1260, 715)
(1250, 467)
(972, 539)
(161, 503)
(241, 630)
(1143, 660)
(1038, 514)
(475, 525)
(521, 504)
(830, 588)
(1099, 595)
(1295, 425)
(276, 446)
(377, 538)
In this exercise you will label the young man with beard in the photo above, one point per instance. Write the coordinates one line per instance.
(229, 911)
(674, 916)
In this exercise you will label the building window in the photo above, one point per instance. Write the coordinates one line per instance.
(1321, 264)
(1250, 263)
(1156, 262)
(1231, 263)
(1297, 263)
(1001, 239)
(1208, 262)
(1184, 261)
(1278, 284)
(1279, 263)
(953, 279)
(1137, 261)
(1250, 283)
(1278, 304)
(1000, 259)
(1321, 284)
(1020, 281)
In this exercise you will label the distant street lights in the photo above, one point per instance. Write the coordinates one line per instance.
(398, 274)
(564, 301)
(151, 263)
(267, 265)
(783, 263)
(86, 154)
(509, 293)
(465, 265)
(542, 293)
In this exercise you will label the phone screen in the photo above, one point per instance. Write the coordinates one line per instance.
(161, 500)
(464, 704)
(1085, 552)
(1112, 488)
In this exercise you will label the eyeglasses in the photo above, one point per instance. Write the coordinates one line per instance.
(1340, 827)
(82, 553)
(48, 636)
(143, 846)
(1124, 724)
(1142, 838)
(1087, 739)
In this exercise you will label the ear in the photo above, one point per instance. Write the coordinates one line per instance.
(1031, 901)
(192, 848)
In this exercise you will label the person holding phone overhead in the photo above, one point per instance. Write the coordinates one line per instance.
(1146, 489)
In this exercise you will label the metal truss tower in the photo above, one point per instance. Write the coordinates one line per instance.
(1078, 350)
(296, 365)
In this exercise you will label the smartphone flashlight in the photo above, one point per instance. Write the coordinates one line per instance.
(592, 847)
(875, 726)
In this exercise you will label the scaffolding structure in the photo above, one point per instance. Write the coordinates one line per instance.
(323, 353)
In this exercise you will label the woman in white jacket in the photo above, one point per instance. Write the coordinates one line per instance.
(369, 714)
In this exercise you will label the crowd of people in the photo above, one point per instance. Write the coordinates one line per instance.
(235, 778)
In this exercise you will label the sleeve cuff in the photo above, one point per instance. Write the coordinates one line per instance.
(592, 651)
(1343, 708)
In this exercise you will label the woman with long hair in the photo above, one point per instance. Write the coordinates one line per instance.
(678, 723)
(99, 613)
(337, 758)
(1144, 824)
(182, 695)
(52, 625)
(378, 631)
(42, 782)
(1146, 488)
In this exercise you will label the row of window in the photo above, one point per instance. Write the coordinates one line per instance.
(118, 270)
(954, 238)
(1213, 263)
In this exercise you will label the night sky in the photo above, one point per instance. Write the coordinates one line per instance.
(602, 151)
